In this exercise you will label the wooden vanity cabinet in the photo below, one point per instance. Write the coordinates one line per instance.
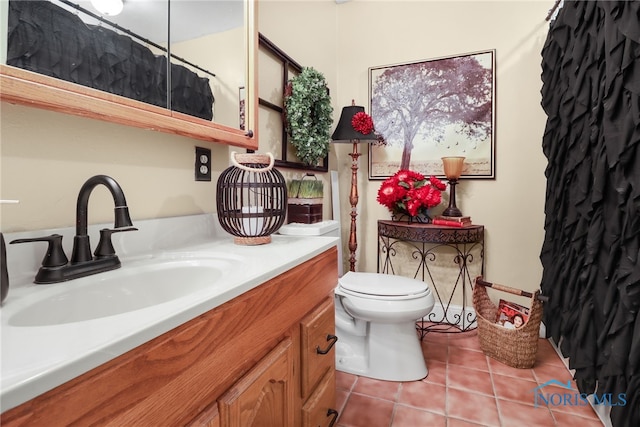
(252, 361)
(266, 396)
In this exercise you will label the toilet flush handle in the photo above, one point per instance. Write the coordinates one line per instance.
(331, 339)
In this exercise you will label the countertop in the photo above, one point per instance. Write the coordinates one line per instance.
(36, 359)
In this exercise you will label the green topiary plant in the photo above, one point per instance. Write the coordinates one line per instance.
(309, 115)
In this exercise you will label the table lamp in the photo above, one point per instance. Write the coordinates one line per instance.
(353, 122)
(452, 170)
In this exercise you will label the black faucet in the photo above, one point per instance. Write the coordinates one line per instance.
(55, 265)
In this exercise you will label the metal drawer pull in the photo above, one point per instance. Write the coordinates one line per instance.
(334, 413)
(333, 340)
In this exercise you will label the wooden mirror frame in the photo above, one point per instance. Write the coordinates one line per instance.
(23, 87)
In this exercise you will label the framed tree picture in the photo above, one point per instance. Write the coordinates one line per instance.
(431, 109)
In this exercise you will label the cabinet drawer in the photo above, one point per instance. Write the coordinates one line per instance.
(320, 409)
(317, 339)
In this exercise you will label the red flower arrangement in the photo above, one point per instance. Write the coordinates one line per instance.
(410, 193)
(362, 122)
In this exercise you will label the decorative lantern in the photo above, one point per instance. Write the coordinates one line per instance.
(251, 198)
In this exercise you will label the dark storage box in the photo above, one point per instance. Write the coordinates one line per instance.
(304, 213)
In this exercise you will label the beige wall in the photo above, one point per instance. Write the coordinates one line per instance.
(47, 156)
(306, 31)
(511, 206)
(370, 33)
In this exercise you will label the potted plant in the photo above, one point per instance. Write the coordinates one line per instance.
(308, 115)
(305, 200)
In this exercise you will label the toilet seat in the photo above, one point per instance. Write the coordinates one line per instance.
(382, 286)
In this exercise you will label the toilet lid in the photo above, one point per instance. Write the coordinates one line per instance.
(381, 284)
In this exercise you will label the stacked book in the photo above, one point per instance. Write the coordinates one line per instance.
(452, 221)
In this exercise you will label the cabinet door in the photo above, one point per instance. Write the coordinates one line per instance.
(319, 411)
(318, 338)
(207, 418)
(264, 396)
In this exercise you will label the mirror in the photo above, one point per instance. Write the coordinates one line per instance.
(214, 28)
(115, 68)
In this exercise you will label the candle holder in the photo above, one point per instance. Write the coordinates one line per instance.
(452, 170)
(251, 198)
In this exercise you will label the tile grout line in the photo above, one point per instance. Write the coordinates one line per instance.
(493, 387)
(395, 404)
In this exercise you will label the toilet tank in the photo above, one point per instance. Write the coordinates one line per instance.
(329, 228)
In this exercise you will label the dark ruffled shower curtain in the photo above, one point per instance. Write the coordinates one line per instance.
(591, 94)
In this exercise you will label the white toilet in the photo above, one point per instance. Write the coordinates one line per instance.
(375, 318)
(375, 324)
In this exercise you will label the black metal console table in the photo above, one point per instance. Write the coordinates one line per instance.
(424, 241)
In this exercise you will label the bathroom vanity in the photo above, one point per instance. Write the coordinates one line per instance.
(258, 352)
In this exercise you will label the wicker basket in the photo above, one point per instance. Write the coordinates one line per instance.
(513, 347)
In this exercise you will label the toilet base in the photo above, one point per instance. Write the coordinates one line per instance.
(390, 352)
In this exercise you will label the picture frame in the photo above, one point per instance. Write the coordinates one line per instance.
(429, 109)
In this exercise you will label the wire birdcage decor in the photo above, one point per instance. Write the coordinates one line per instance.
(251, 198)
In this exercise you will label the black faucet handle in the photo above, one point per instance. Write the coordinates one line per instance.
(105, 247)
(55, 256)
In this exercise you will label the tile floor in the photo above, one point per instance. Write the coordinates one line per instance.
(464, 388)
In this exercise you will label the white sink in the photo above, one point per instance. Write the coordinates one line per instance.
(173, 270)
(121, 291)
